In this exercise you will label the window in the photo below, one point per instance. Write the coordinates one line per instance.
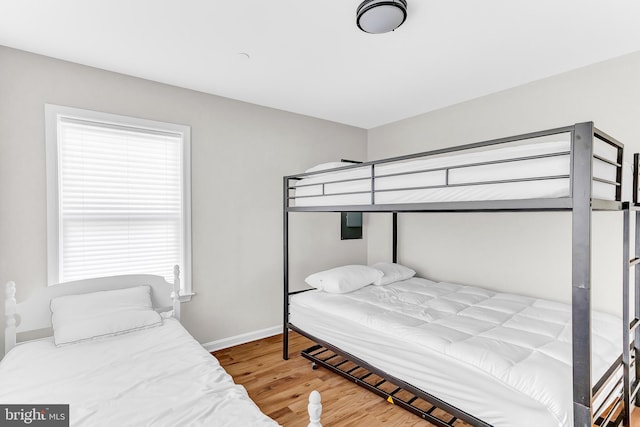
(118, 196)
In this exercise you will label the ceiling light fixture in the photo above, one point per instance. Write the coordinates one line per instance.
(381, 16)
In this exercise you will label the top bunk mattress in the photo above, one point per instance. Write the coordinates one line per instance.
(525, 171)
(159, 376)
(504, 358)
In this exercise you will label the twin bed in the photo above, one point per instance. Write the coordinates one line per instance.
(486, 358)
(119, 357)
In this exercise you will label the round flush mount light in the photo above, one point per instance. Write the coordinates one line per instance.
(381, 16)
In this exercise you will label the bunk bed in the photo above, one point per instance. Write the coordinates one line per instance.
(576, 168)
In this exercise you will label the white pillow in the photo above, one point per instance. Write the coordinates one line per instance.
(344, 279)
(325, 166)
(392, 273)
(94, 315)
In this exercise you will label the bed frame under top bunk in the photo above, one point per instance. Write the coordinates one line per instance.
(580, 202)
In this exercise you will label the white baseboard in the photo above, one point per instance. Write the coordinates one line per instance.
(242, 338)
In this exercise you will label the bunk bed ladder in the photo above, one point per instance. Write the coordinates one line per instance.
(631, 331)
(634, 396)
(623, 395)
(616, 407)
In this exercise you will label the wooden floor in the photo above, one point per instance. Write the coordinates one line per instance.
(281, 387)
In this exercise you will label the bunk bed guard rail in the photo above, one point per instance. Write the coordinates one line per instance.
(536, 176)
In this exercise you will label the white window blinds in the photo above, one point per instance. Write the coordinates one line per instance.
(120, 200)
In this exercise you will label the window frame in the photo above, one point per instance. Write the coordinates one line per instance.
(53, 114)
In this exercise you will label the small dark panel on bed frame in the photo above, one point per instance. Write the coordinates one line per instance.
(350, 225)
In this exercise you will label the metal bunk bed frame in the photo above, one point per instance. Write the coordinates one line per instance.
(581, 204)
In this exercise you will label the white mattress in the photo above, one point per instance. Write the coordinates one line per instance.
(309, 191)
(155, 377)
(503, 358)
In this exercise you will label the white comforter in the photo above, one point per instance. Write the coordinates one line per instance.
(501, 357)
(155, 377)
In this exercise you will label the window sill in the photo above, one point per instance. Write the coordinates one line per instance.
(186, 297)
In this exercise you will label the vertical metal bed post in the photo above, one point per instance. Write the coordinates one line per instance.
(625, 315)
(582, 154)
(631, 347)
(395, 237)
(636, 298)
(285, 265)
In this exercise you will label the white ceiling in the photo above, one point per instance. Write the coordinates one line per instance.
(308, 57)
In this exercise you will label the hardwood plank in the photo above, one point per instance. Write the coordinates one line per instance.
(281, 387)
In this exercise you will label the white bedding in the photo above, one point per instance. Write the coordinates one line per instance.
(309, 191)
(155, 377)
(503, 358)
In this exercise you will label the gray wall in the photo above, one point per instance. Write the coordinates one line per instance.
(241, 151)
(527, 253)
(239, 154)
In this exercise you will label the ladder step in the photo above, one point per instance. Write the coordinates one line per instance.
(634, 261)
(634, 389)
(634, 324)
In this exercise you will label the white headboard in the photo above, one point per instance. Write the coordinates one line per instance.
(35, 313)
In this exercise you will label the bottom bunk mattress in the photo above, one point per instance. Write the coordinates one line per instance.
(154, 377)
(503, 358)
